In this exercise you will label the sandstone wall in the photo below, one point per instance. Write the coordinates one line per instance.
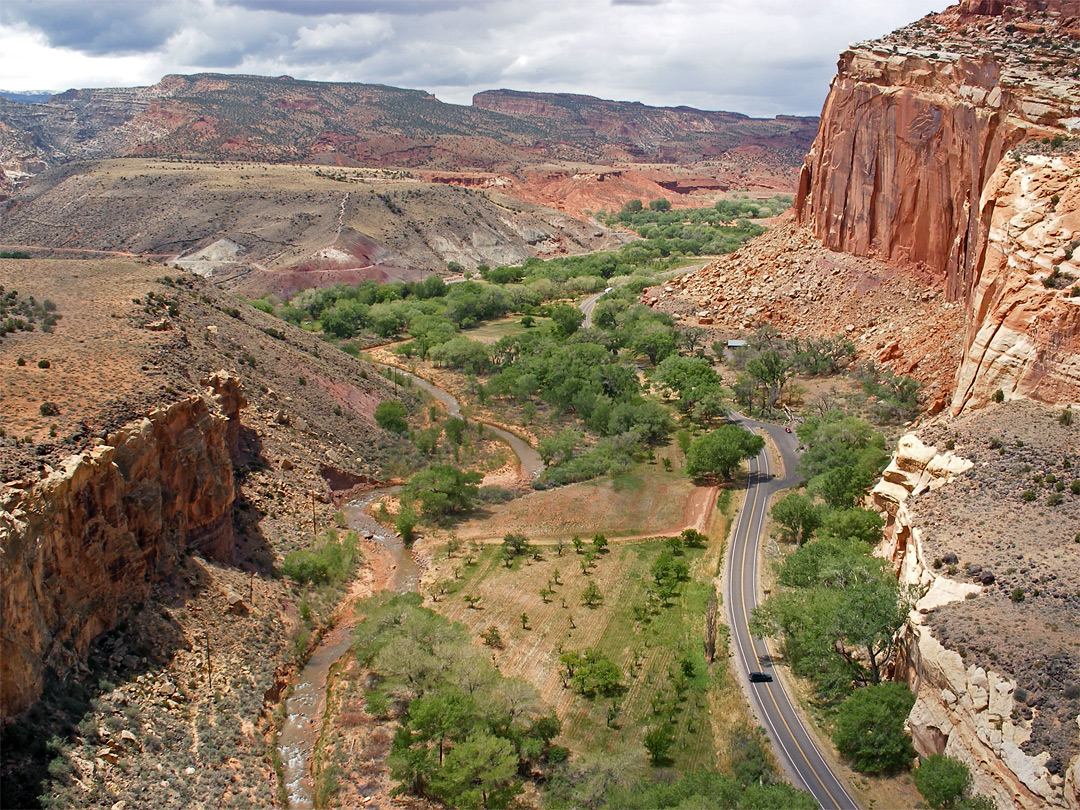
(905, 146)
(912, 164)
(81, 545)
(1022, 336)
(964, 712)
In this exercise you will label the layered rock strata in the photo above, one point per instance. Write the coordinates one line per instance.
(82, 545)
(1023, 325)
(912, 165)
(966, 712)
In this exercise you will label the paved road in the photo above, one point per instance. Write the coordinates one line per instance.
(794, 747)
(587, 308)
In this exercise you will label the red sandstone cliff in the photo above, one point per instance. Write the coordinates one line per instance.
(82, 545)
(903, 168)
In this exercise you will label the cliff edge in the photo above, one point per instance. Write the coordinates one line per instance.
(82, 545)
(915, 163)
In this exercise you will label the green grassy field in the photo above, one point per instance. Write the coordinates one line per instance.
(649, 649)
(493, 331)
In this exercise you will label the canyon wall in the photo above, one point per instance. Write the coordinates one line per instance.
(908, 167)
(1023, 323)
(966, 712)
(82, 544)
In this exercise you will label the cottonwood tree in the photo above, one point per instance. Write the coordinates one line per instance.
(721, 451)
(798, 516)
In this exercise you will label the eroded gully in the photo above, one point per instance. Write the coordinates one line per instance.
(305, 705)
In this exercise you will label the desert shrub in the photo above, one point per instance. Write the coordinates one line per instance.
(43, 364)
(998, 396)
(49, 409)
(391, 415)
(329, 562)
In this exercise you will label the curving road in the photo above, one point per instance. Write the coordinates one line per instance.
(793, 745)
(587, 306)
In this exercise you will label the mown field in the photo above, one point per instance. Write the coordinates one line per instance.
(660, 653)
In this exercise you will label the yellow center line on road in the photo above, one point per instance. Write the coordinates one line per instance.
(753, 647)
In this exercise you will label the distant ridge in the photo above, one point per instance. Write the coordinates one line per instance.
(238, 117)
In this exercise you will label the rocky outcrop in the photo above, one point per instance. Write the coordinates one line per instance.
(914, 164)
(967, 713)
(964, 712)
(913, 128)
(82, 545)
(1023, 328)
(915, 468)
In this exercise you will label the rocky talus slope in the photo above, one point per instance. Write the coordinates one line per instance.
(789, 279)
(992, 648)
(912, 164)
(83, 545)
(163, 632)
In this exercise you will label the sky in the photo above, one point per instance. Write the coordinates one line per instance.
(759, 57)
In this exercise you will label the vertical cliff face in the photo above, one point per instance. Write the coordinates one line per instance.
(1023, 324)
(907, 166)
(904, 149)
(82, 545)
(969, 711)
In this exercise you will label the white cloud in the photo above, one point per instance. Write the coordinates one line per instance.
(761, 57)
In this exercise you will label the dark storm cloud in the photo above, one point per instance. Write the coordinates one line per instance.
(99, 27)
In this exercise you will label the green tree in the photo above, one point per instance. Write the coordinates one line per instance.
(567, 318)
(799, 516)
(658, 742)
(599, 543)
(659, 204)
(515, 545)
(455, 430)
(479, 773)
(593, 673)
(721, 451)
(390, 415)
(870, 728)
(854, 526)
(405, 524)
(942, 781)
(560, 447)
(442, 490)
(591, 596)
(692, 379)
(770, 369)
(442, 715)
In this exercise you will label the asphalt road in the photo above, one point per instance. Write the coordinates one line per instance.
(587, 308)
(794, 747)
